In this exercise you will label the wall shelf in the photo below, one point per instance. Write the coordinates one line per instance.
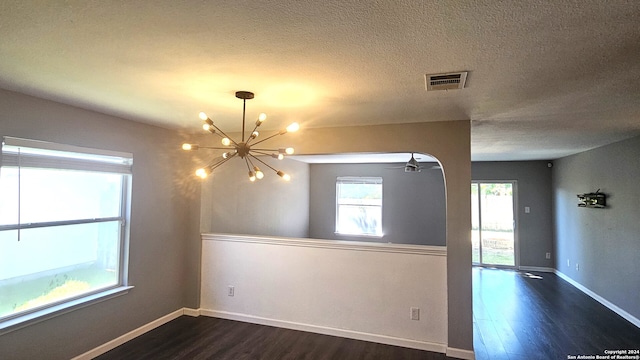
(596, 200)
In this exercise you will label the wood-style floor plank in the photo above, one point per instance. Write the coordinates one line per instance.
(515, 316)
(541, 316)
(210, 338)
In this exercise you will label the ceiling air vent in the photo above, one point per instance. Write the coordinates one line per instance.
(447, 81)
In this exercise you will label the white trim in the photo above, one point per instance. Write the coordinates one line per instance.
(382, 339)
(331, 244)
(9, 325)
(536, 268)
(460, 353)
(632, 319)
(38, 144)
(516, 230)
(130, 335)
(191, 312)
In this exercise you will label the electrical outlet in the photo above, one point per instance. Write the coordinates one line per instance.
(548, 256)
(568, 262)
(231, 291)
(577, 267)
(527, 209)
(415, 313)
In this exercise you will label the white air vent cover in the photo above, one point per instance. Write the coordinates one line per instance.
(447, 81)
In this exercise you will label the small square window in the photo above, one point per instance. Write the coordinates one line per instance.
(359, 206)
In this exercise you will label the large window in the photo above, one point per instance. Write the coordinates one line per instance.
(63, 226)
(359, 206)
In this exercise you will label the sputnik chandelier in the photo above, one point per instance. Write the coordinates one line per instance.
(246, 150)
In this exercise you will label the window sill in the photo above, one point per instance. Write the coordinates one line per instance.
(359, 235)
(13, 324)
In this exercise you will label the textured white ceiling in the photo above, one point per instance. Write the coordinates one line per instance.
(547, 78)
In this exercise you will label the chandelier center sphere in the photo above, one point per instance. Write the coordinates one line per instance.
(243, 149)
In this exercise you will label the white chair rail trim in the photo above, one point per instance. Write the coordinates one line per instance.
(331, 244)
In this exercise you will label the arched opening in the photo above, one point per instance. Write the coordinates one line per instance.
(450, 320)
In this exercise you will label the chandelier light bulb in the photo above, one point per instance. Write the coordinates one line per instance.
(186, 147)
(293, 127)
(202, 172)
(203, 116)
(208, 126)
(262, 117)
(259, 174)
(254, 134)
(280, 156)
(252, 176)
(286, 177)
(226, 141)
(289, 150)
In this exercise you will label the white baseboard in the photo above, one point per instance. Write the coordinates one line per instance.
(133, 334)
(191, 312)
(460, 353)
(389, 340)
(632, 319)
(536, 268)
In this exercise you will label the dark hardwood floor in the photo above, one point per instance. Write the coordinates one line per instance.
(541, 316)
(516, 315)
(210, 338)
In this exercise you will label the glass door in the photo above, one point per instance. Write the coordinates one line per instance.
(493, 223)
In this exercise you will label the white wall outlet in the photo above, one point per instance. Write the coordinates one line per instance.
(568, 262)
(527, 209)
(577, 266)
(548, 256)
(415, 313)
(231, 291)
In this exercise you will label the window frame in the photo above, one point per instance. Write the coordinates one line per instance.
(47, 155)
(365, 180)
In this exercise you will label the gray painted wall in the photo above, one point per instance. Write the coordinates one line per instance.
(604, 242)
(449, 142)
(413, 208)
(271, 206)
(535, 234)
(164, 243)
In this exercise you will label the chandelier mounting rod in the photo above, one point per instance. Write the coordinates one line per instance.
(244, 95)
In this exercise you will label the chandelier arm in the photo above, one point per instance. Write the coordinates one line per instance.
(223, 133)
(217, 133)
(246, 161)
(252, 131)
(267, 165)
(252, 149)
(260, 152)
(267, 138)
(215, 148)
(215, 161)
(221, 162)
(249, 162)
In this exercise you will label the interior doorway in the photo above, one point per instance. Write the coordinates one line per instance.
(493, 225)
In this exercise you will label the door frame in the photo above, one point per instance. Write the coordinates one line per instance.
(516, 224)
